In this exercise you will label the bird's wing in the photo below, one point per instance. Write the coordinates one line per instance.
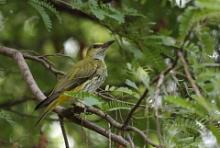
(78, 74)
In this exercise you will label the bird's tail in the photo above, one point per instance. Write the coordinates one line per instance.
(46, 101)
(48, 109)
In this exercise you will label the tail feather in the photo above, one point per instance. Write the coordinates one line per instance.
(41, 104)
(50, 107)
(46, 101)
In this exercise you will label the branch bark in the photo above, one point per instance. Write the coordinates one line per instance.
(116, 124)
(92, 126)
(67, 113)
(66, 7)
(25, 71)
(133, 109)
(27, 75)
(11, 103)
(165, 72)
(44, 63)
(188, 74)
(64, 132)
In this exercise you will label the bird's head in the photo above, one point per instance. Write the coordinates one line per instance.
(98, 50)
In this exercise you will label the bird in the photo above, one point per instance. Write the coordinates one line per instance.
(86, 75)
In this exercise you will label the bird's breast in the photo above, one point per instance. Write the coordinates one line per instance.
(95, 82)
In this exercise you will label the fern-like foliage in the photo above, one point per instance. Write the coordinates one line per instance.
(115, 105)
(42, 7)
(104, 11)
(187, 131)
(4, 115)
(87, 98)
(191, 106)
(202, 13)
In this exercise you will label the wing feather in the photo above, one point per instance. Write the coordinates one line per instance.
(78, 74)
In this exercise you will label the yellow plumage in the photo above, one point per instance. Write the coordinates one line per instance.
(86, 75)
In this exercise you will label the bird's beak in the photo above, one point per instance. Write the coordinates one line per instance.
(107, 44)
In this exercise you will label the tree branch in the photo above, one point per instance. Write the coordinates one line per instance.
(92, 126)
(19, 59)
(28, 115)
(66, 7)
(64, 132)
(133, 109)
(25, 71)
(188, 74)
(109, 97)
(44, 63)
(11, 103)
(165, 72)
(115, 123)
(157, 93)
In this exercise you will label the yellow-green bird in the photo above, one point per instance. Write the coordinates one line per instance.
(86, 75)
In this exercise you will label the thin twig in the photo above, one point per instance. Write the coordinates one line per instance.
(25, 71)
(188, 74)
(111, 98)
(165, 72)
(56, 54)
(18, 57)
(28, 115)
(116, 124)
(131, 141)
(11, 103)
(63, 6)
(134, 108)
(45, 63)
(159, 135)
(109, 140)
(157, 93)
(92, 126)
(143, 135)
(64, 132)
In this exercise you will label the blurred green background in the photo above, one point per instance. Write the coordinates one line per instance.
(146, 32)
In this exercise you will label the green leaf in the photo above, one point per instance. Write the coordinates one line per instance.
(45, 17)
(143, 76)
(99, 14)
(184, 103)
(90, 101)
(48, 6)
(101, 11)
(131, 84)
(119, 108)
(203, 102)
(7, 117)
(162, 40)
(41, 7)
(124, 90)
(168, 41)
(87, 98)
(127, 91)
(114, 106)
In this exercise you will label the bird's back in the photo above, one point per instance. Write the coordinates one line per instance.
(86, 75)
(85, 70)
